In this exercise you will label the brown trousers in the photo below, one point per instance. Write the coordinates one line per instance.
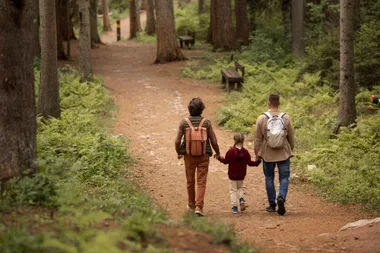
(199, 164)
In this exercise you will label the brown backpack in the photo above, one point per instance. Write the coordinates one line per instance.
(196, 139)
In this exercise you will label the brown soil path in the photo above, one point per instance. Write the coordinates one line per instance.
(152, 100)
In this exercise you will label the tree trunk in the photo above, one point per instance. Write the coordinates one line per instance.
(286, 17)
(252, 16)
(201, 6)
(58, 34)
(357, 14)
(18, 111)
(48, 95)
(36, 37)
(138, 19)
(95, 38)
(133, 25)
(347, 108)
(298, 46)
(150, 27)
(144, 5)
(84, 39)
(212, 22)
(223, 31)
(242, 29)
(65, 24)
(167, 46)
(106, 17)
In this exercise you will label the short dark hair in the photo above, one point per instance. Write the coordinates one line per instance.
(274, 99)
(196, 107)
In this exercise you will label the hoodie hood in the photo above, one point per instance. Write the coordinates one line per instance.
(238, 153)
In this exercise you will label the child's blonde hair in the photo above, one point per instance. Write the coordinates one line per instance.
(239, 139)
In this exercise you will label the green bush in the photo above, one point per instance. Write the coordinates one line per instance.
(188, 18)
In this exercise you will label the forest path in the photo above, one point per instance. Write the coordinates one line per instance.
(152, 99)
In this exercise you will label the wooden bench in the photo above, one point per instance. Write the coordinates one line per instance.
(232, 76)
(188, 39)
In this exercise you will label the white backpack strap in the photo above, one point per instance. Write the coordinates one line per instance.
(268, 115)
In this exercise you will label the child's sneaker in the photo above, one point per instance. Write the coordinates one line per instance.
(190, 209)
(242, 204)
(234, 209)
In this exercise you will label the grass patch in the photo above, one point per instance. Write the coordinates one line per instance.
(144, 38)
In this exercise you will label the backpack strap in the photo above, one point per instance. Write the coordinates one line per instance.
(282, 115)
(191, 125)
(267, 114)
(201, 123)
(189, 122)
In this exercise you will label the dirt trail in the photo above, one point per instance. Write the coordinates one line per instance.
(152, 100)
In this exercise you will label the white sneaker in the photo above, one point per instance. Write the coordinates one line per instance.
(199, 212)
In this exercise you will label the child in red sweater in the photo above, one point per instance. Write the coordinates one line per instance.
(237, 158)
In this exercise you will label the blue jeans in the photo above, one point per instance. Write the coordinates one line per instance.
(283, 172)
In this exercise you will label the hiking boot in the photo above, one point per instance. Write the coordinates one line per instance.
(242, 204)
(234, 209)
(271, 209)
(199, 212)
(190, 208)
(281, 205)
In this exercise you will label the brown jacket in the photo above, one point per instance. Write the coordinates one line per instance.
(261, 148)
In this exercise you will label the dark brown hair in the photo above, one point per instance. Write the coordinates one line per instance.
(196, 107)
(274, 99)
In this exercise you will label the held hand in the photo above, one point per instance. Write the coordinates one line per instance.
(216, 156)
(179, 157)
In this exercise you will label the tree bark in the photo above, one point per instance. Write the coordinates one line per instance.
(242, 29)
(133, 25)
(138, 19)
(223, 31)
(167, 46)
(84, 39)
(201, 6)
(357, 14)
(95, 38)
(18, 111)
(144, 5)
(298, 45)
(212, 22)
(65, 24)
(252, 15)
(106, 17)
(48, 95)
(286, 17)
(150, 27)
(36, 38)
(347, 108)
(58, 34)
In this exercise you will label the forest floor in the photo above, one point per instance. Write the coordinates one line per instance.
(152, 100)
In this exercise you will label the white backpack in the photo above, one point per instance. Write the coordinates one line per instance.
(276, 131)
